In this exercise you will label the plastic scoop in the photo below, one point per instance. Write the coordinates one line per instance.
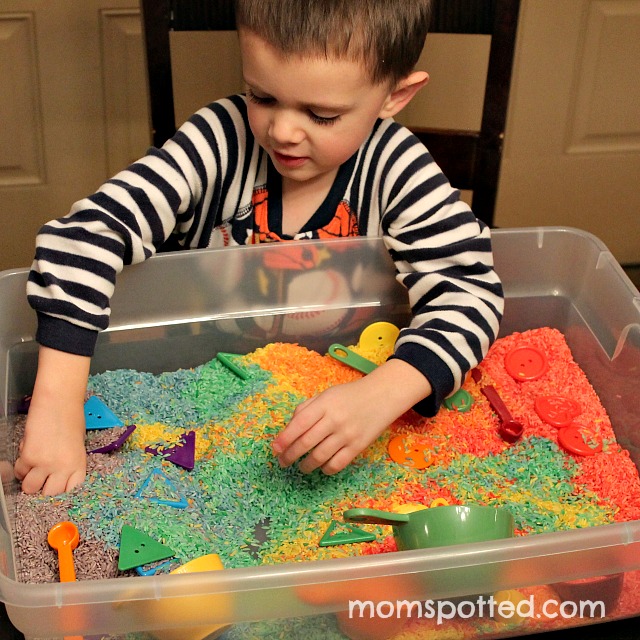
(351, 358)
(510, 429)
(64, 538)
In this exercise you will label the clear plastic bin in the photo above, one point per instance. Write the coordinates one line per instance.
(318, 293)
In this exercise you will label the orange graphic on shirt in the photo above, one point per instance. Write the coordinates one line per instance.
(343, 224)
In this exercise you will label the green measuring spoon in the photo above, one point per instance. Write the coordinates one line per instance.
(352, 359)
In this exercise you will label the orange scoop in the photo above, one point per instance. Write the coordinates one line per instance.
(64, 538)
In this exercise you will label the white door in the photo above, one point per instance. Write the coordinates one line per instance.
(73, 108)
(572, 148)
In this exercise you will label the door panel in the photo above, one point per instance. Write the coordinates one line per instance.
(572, 148)
(73, 108)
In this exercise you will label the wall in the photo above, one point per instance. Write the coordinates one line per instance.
(74, 95)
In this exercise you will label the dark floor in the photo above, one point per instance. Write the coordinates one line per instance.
(620, 630)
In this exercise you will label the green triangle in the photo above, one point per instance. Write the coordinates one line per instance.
(350, 535)
(137, 548)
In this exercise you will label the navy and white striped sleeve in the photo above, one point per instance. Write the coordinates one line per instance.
(173, 190)
(443, 257)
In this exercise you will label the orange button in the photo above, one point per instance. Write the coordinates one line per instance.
(525, 363)
(558, 411)
(576, 439)
(410, 454)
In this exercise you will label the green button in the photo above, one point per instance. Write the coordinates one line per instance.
(460, 401)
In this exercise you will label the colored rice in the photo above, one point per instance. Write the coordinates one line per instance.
(237, 484)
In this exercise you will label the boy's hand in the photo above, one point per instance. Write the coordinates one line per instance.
(52, 454)
(335, 426)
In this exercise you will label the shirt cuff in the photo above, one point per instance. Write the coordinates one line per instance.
(434, 370)
(64, 336)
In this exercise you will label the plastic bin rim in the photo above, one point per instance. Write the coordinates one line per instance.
(329, 571)
(539, 232)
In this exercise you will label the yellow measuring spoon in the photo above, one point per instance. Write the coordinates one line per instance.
(377, 335)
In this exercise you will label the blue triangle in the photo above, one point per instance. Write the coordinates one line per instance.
(181, 503)
(98, 416)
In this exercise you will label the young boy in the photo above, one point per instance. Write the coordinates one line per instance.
(311, 151)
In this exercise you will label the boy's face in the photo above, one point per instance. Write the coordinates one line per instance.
(310, 114)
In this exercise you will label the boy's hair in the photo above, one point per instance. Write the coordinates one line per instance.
(387, 36)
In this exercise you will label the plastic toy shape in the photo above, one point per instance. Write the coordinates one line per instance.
(440, 527)
(227, 360)
(153, 570)
(182, 454)
(64, 538)
(351, 358)
(351, 535)
(98, 416)
(510, 429)
(137, 549)
(410, 454)
(377, 335)
(117, 443)
(525, 363)
(181, 503)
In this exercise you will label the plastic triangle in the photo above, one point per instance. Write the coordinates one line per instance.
(180, 503)
(98, 416)
(349, 535)
(182, 454)
(137, 549)
(117, 443)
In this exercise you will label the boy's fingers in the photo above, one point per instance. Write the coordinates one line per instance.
(302, 405)
(75, 480)
(300, 423)
(321, 454)
(33, 481)
(338, 461)
(20, 469)
(310, 440)
(54, 485)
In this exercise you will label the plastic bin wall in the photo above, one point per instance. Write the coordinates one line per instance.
(179, 310)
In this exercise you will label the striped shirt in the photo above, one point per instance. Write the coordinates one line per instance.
(200, 190)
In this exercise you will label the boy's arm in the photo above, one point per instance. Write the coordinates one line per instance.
(52, 454)
(443, 257)
(338, 424)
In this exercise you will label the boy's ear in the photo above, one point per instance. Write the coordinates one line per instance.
(403, 92)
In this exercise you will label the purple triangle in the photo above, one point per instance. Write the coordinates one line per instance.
(182, 454)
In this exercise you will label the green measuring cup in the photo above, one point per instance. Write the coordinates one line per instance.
(440, 526)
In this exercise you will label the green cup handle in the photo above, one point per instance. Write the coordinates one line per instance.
(375, 516)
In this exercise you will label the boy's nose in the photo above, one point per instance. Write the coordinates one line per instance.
(284, 128)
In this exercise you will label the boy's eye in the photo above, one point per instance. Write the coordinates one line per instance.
(322, 120)
(265, 100)
(258, 99)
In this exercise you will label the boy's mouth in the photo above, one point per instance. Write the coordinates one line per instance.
(289, 161)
